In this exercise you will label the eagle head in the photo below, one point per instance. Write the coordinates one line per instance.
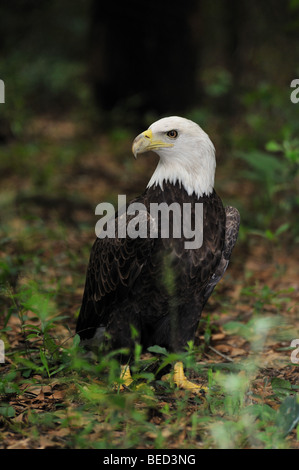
(187, 155)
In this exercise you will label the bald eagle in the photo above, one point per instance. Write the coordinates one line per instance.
(155, 284)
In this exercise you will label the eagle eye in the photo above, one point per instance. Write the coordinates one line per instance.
(172, 134)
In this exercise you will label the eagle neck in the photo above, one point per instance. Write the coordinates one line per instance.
(194, 178)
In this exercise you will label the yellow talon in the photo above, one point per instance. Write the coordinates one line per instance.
(125, 376)
(181, 381)
(178, 378)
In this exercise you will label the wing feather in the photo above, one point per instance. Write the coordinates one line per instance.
(114, 263)
(232, 225)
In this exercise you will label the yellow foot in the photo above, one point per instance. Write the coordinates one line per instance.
(125, 376)
(181, 381)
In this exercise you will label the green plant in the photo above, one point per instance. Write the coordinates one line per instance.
(276, 175)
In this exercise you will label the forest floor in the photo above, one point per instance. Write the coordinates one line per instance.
(53, 398)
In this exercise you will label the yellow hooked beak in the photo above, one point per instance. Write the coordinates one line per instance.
(146, 141)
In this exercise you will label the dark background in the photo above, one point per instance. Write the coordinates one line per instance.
(88, 69)
(129, 60)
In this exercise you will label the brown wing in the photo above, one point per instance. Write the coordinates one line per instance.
(231, 230)
(231, 234)
(200, 264)
(114, 266)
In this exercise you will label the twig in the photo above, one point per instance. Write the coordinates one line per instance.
(221, 354)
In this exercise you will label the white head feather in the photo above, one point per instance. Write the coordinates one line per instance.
(190, 160)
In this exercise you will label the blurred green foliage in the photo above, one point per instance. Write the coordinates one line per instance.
(103, 418)
(43, 61)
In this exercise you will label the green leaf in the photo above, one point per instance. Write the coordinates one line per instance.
(238, 328)
(44, 361)
(157, 350)
(273, 146)
(76, 340)
(26, 373)
(33, 336)
(7, 411)
(263, 412)
(282, 228)
(281, 387)
(288, 414)
(269, 234)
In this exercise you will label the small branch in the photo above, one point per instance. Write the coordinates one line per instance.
(221, 354)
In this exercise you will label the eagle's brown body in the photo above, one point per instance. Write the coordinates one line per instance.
(156, 285)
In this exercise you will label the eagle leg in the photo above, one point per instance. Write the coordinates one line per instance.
(181, 380)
